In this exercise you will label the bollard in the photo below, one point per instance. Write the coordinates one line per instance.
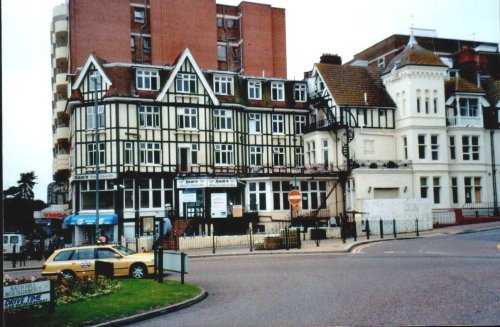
(394, 227)
(416, 225)
(213, 239)
(381, 228)
(355, 230)
(297, 230)
(367, 229)
(250, 234)
(160, 264)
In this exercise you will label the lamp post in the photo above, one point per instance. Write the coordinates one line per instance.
(94, 77)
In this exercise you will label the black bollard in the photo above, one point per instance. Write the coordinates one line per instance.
(416, 226)
(394, 227)
(381, 229)
(367, 229)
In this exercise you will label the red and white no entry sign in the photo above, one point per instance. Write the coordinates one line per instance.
(294, 197)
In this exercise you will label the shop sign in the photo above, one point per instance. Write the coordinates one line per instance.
(204, 183)
(188, 196)
(91, 177)
(218, 205)
(54, 214)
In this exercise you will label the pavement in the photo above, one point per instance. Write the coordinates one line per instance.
(308, 247)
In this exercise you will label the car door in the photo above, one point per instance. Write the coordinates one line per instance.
(84, 262)
(119, 265)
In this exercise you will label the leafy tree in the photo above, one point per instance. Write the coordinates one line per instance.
(26, 184)
(18, 205)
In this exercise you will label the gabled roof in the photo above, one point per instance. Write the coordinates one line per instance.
(349, 84)
(186, 55)
(414, 54)
(98, 64)
(460, 85)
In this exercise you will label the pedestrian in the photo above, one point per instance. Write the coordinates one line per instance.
(22, 256)
(343, 227)
(14, 256)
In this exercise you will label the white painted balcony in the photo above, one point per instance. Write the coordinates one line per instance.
(61, 53)
(60, 11)
(61, 26)
(60, 107)
(61, 162)
(459, 121)
(62, 133)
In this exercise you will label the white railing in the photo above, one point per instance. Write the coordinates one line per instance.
(460, 121)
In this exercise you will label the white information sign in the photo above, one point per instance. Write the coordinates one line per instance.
(22, 295)
(206, 182)
(218, 205)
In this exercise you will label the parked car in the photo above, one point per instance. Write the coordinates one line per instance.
(69, 263)
(11, 240)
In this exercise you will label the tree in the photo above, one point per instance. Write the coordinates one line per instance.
(26, 184)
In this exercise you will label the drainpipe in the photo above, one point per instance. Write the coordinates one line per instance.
(493, 173)
(143, 27)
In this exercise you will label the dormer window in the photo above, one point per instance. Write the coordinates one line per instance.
(277, 91)
(185, 83)
(300, 93)
(147, 80)
(223, 85)
(254, 90)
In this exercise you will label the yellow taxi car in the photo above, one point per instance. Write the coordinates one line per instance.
(69, 263)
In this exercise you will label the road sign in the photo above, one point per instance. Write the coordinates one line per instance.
(294, 197)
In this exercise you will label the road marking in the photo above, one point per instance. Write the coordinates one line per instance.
(394, 252)
(360, 248)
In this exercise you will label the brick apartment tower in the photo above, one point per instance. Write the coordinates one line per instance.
(249, 38)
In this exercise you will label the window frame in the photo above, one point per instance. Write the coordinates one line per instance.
(223, 85)
(90, 117)
(185, 83)
(254, 87)
(223, 154)
(277, 91)
(278, 124)
(149, 116)
(150, 153)
(187, 118)
(254, 123)
(223, 119)
(300, 92)
(147, 79)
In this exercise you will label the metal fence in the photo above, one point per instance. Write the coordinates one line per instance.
(484, 209)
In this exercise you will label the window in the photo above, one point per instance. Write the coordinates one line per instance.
(220, 22)
(138, 15)
(223, 85)
(453, 154)
(313, 194)
(311, 152)
(470, 147)
(187, 118)
(91, 154)
(254, 123)
(147, 80)
(146, 44)
(300, 93)
(94, 83)
(128, 153)
(87, 195)
(325, 151)
(419, 100)
(300, 124)
(277, 91)
(185, 83)
(454, 190)
(423, 187)
(472, 186)
(91, 117)
(223, 154)
(434, 147)
(128, 194)
(132, 43)
(223, 119)
(105, 253)
(405, 147)
(278, 124)
(421, 146)
(230, 23)
(222, 52)
(381, 62)
(255, 156)
(150, 153)
(149, 116)
(435, 105)
(436, 190)
(150, 193)
(278, 156)
(280, 195)
(427, 105)
(257, 193)
(468, 107)
(254, 90)
(299, 156)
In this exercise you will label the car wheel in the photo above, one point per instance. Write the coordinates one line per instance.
(66, 275)
(138, 271)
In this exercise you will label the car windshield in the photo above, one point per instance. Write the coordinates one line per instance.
(123, 250)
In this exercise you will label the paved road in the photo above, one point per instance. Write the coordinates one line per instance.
(445, 280)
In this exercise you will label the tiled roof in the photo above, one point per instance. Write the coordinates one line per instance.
(414, 54)
(460, 85)
(348, 85)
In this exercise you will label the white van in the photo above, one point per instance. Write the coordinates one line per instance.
(8, 243)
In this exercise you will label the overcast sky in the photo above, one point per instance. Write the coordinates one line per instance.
(314, 27)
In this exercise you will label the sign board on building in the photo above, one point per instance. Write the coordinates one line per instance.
(218, 205)
(91, 177)
(206, 182)
(21, 295)
(188, 196)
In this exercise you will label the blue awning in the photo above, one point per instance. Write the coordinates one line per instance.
(104, 219)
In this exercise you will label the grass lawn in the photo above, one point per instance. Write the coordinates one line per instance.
(135, 296)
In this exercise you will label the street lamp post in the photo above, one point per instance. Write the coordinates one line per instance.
(94, 77)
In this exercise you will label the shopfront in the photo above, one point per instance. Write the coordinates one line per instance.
(84, 227)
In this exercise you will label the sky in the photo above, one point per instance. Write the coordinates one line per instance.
(313, 27)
